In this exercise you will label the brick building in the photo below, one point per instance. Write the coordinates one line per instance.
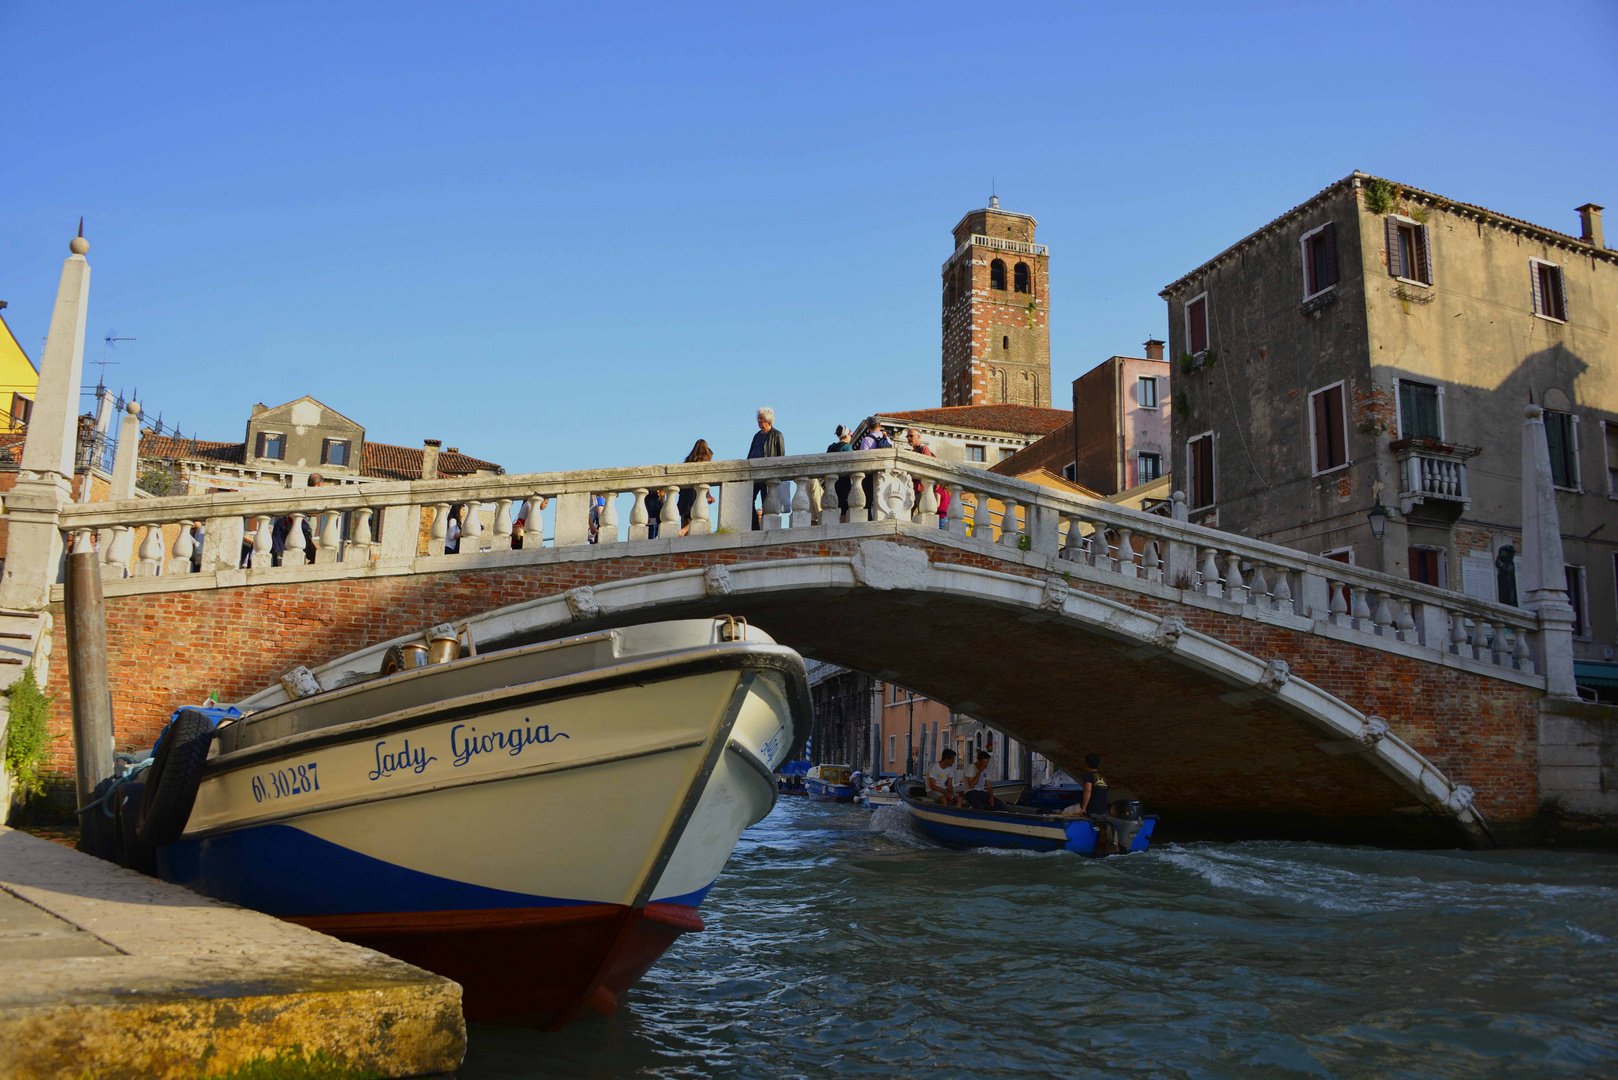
(996, 301)
(1372, 349)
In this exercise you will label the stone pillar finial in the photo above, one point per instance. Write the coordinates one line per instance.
(1544, 571)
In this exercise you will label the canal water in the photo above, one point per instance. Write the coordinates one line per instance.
(841, 943)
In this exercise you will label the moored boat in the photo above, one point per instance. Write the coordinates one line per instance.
(830, 782)
(1025, 827)
(538, 823)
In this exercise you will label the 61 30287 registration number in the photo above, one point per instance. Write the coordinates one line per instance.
(282, 783)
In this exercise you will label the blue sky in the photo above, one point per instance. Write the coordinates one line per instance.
(560, 238)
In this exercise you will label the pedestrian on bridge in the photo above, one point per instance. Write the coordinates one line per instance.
(844, 444)
(767, 443)
(688, 496)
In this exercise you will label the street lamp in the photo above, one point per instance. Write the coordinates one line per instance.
(1378, 517)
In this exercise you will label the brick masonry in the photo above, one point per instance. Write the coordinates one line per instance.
(1060, 688)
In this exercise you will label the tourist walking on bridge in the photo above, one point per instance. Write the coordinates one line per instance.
(844, 443)
(688, 495)
(913, 441)
(875, 438)
(767, 443)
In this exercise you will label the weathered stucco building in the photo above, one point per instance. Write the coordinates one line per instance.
(996, 300)
(1374, 347)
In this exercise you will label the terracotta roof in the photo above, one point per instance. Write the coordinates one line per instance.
(404, 462)
(1432, 199)
(1020, 419)
(382, 461)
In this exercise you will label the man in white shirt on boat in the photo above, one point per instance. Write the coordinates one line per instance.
(941, 780)
(979, 791)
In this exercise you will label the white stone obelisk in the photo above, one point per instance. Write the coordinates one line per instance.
(45, 481)
(124, 458)
(1544, 572)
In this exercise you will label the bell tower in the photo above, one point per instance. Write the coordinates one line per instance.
(997, 339)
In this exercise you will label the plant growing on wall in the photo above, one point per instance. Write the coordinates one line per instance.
(28, 734)
(156, 480)
(1380, 196)
(1182, 404)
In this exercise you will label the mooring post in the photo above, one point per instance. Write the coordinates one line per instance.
(87, 670)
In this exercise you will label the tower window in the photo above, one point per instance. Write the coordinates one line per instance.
(1005, 341)
(997, 275)
(1022, 278)
(1550, 299)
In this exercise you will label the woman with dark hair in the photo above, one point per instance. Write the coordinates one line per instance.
(452, 532)
(688, 496)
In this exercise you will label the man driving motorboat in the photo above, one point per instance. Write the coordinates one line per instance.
(979, 794)
(1093, 800)
(941, 780)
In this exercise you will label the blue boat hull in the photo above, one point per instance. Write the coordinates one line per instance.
(962, 827)
(819, 789)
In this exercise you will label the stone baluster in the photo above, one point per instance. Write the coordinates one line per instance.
(533, 526)
(701, 519)
(638, 517)
(1234, 589)
(1405, 622)
(802, 512)
(331, 538)
(116, 553)
(857, 510)
(1100, 550)
(359, 546)
(668, 519)
(1073, 550)
(184, 548)
(1126, 552)
(1338, 602)
(1283, 590)
(1457, 634)
(830, 510)
(1520, 653)
(607, 520)
(927, 505)
(1010, 533)
(772, 506)
(982, 528)
(1258, 588)
(1151, 565)
(1502, 646)
(292, 550)
(955, 516)
(151, 553)
(1361, 609)
(439, 529)
(263, 539)
(1384, 614)
(471, 528)
(1481, 639)
(783, 499)
(502, 525)
(1210, 573)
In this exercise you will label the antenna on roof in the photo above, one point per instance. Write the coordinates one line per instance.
(108, 342)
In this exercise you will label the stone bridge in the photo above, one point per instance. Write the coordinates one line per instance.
(1234, 685)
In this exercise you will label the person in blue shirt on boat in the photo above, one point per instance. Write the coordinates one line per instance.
(1093, 801)
(979, 794)
(941, 780)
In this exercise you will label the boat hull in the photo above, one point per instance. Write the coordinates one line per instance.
(541, 844)
(820, 789)
(962, 827)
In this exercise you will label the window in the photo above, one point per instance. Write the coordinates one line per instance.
(893, 748)
(1070, 471)
(997, 275)
(1151, 467)
(1562, 433)
(1005, 341)
(974, 453)
(1419, 416)
(1006, 451)
(1020, 278)
(1319, 259)
(1550, 300)
(1409, 257)
(334, 452)
(1427, 566)
(1196, 325)
(1146, 392)
(1328, 429)
(272, 445)
(1611, 429)
(1199, 460)
(1575, 596)
(21, 409)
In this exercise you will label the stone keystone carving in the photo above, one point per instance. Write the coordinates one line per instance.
(1459, 798)
(1375, 730)
(1055, 595)
(882, 564)
(582, 602)
(1275, 676)
(1168, 632)
(716, 581)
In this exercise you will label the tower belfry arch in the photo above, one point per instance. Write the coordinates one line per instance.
(996, 312)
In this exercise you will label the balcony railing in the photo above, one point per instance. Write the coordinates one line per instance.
(1431, 471)
(997, 244)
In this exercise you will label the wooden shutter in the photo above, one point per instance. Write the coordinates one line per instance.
(325, 451)
(1392, 228)
(1197, 325)
(1561, 294)
(1533, 277)
(1424, 255)
(1326, 244)
(1322, 431)
(258, 449)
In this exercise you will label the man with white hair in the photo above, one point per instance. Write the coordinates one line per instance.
(767, 443)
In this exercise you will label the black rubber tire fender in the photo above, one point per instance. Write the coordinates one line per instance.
(133, 852)
(173, 778)
(393, 661)
(97, 833)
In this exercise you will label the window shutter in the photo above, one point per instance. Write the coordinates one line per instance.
(1392, 228)
(258, 448)
(1328, 256)
(1424, 256)
(1533, 277)
(1322, 432)
(1561, 295)
(325, 451)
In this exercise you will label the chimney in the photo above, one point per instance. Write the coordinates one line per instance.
(429, 458)
(453, 450)
(1590, 224)
(1154, 349)
(260, 408)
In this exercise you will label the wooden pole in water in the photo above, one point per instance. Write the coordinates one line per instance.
(87, 669)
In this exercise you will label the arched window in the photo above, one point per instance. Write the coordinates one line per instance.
(997, 275)
(1022, 277)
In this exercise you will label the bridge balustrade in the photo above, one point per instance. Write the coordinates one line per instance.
(407, 522)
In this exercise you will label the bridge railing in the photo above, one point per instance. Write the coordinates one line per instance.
(353, 527)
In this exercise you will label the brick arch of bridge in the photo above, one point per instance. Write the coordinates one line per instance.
(1198, 723)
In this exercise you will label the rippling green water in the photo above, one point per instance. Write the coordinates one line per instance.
(841, 943)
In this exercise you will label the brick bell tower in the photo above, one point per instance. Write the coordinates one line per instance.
(997, 338)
